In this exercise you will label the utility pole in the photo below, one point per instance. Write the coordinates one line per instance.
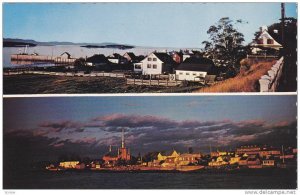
(285, 69)
(282, 23)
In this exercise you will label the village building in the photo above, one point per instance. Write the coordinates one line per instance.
(234, 160)
(95, 165)
(110, 158)
(219, 153)
(218, 161)
(80, 166)
(195, 68)
(187, 159)
(130, 56)
(264, 41)
(266, 152)
(186, 54)
(68, 164)
(117, 59)
(168, 159)
(268, 162)
(177, 56)
(254, 162)
(243, 161)
(65, 55)
(174, 159)
(97, 60)
(137, 67)
(157, 63)
(249, 150)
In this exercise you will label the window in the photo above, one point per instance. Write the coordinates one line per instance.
(181, 73)
(149, 59)
(148, 65)
(154, 59)
(194, 74)
(137, 66)
(270, 41)
(154, 66)
(260, 41)
(201, 75)
(187, 73)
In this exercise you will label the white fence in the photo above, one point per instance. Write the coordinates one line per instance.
(158, 82)
(269, 83)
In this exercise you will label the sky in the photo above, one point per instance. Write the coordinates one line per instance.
(141, 24)
(51, 126)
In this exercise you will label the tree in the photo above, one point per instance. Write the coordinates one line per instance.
(225, 45)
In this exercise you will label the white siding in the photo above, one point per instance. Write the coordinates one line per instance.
(116, 61)
(148, 65)
(189, 75)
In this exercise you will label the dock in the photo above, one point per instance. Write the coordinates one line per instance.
(42, 58)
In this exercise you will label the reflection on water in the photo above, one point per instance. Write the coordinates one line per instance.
(249, 179)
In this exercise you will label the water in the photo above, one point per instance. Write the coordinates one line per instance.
(248, 179)
(75, 51)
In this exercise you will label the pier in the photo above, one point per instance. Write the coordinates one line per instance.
(42, 58)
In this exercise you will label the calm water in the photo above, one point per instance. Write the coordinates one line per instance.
(249, 179)
(75, 51)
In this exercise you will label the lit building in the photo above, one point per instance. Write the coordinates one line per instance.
(249, 150)
(68, 164)
(123, 153)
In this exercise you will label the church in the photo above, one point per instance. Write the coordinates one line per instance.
(123, 153)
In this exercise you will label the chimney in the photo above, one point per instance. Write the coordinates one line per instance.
(263, 28)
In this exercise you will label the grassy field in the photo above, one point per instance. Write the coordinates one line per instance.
(245, 81)
(45, 84)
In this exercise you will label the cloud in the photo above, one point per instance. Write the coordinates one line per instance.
(146, 133)
(62, 125)
(131, 121)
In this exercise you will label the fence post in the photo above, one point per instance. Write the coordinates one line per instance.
(150, 80)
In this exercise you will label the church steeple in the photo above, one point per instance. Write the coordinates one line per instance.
(123, 142)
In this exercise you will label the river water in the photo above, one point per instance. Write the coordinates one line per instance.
(247, 179)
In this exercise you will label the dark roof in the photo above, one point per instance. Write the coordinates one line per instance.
(195, 63)
(68, 54)
(116, 56)
(98, 58)
(131, 55)
(164, 57)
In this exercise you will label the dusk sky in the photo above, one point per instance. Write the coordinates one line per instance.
(141, 24)
(50, 126)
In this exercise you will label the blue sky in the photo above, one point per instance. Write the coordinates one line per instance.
(151, 123)
(141, 24)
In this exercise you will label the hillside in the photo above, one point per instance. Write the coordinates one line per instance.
(245, 81)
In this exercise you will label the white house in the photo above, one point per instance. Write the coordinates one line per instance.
(157, 63)
(265, 40)
(195, 68)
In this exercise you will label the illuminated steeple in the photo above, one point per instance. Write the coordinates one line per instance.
(123, 142)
